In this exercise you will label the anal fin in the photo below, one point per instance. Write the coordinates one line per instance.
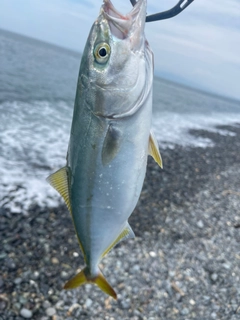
(153, 149)
(127, 233)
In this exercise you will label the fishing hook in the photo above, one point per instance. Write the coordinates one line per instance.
(179, 7)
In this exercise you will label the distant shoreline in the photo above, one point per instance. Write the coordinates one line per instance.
(157, 75)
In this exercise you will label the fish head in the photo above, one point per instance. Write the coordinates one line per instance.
(114, 61)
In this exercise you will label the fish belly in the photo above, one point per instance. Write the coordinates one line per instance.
(105, 192)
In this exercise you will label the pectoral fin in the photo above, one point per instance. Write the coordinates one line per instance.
(111, 144)
(153, 149)
(59, 181)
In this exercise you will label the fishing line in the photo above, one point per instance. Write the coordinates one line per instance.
(178, 8)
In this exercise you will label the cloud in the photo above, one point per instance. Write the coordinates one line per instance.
(197, 47)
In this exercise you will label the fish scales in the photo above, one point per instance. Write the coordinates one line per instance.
(110, 137)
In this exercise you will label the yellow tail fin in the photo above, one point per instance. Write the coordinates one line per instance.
(99, 280)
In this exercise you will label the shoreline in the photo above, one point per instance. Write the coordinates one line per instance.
(183, 264)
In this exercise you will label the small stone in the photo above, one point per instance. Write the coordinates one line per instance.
(35, 275)
(152, 254)
(55, 261)
(26, 274)
(18, 280)
(75, 254)
(227, 266)
(168, 287)
(74, 309)
(46, 259)
(119, 263)
(200, 224)
(11, 264)
(171, 273)
(214, 277)
(54, 298)
(50, 311)
(50, 292)
(185, 311)
(46, 304)
(125, 304)
(3, 255)
(25, 313)
(88, 287)
(40, 220)
(88, 303)
(17, 306)
(192, 302)
(46, 247)
(64, 275)
(136, 268)
(22, 300)
(59, 304)
(214, 315)
(206, 298)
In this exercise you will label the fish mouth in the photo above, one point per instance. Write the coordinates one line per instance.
(123, 26)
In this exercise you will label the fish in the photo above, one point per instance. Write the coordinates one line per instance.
(110, 137)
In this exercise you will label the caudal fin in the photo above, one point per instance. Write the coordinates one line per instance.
(99, 280)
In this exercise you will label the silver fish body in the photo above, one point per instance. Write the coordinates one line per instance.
(110, 136)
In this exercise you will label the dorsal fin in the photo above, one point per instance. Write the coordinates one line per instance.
(60, 182)
(153, 149)
(127, 233)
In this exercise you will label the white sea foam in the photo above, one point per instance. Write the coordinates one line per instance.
(34, 139)
(173, 128)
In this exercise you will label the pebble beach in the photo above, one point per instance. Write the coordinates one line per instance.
(183, 264)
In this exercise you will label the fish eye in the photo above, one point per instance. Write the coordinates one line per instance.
(102, 52)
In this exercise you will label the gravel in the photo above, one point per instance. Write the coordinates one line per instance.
(50, 312)
(183, 264)
(26, 314)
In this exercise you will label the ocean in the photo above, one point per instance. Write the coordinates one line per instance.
(37, 91)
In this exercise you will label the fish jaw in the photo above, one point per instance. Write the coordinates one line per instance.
(114, 86)
(129, 26)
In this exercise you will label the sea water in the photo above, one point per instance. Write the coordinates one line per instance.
(37, 91)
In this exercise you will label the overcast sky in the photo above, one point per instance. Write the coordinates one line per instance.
(200, 47)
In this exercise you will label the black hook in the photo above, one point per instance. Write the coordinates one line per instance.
(179, 7)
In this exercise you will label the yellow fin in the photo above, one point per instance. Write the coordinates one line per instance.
(153, 149)
(99, 280)
(59, 181)
(127, 233)
(77, 281)
(105, 286)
